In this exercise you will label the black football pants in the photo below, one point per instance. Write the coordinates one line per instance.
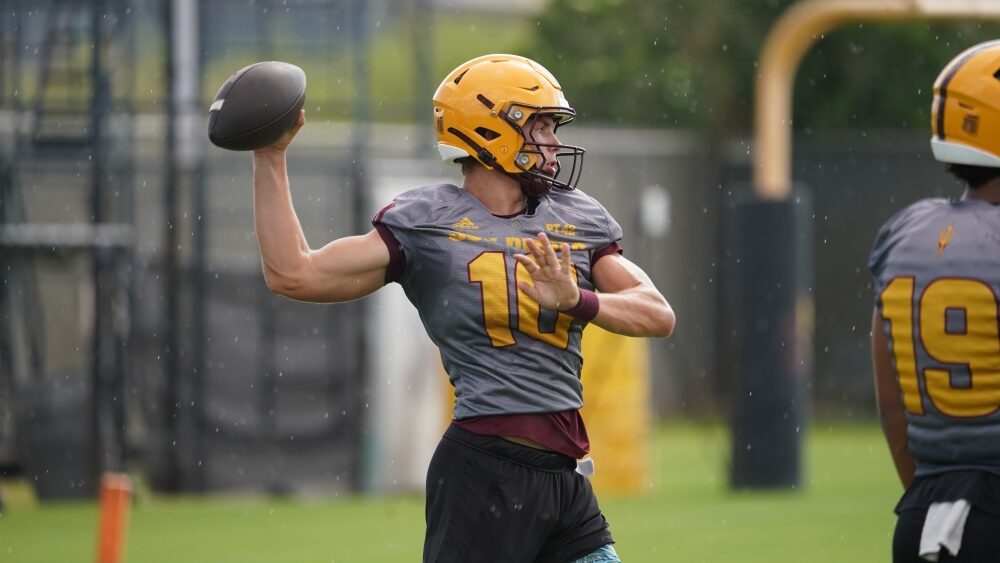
(980, 541)
(493, 501)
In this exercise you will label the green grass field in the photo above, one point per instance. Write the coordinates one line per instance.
(842, 513)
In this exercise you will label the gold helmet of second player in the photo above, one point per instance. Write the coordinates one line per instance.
(485, 109)
(965, 116)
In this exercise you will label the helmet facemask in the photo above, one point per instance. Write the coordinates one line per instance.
(530, 159)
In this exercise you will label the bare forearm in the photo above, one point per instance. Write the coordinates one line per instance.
(640, 311)
(629, 303)
(344, 269)
(889, 402)
(283, 246)
(894, 428)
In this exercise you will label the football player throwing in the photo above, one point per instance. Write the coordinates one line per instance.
(505, 271)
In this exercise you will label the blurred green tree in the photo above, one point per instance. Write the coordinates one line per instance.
(692, 63)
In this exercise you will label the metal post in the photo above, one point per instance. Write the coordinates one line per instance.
(359, 186)
(108, 455)
(171, 267)
(199, 289)
(184, 151)
(126, 298)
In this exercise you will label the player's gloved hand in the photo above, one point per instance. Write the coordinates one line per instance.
(553, 281)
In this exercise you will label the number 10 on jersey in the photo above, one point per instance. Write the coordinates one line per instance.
(491, 270)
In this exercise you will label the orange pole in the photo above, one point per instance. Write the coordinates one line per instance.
(115, 500)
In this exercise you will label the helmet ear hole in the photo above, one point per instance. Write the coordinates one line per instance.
(487, 134)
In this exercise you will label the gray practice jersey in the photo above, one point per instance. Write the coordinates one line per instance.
(937, 277)
(503, 353)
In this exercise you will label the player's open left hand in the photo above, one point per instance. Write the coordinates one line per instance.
(281, 145)
(554, 281)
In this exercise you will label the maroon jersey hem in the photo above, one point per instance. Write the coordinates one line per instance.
(563, 432)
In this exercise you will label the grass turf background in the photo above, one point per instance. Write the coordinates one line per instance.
(843, 512)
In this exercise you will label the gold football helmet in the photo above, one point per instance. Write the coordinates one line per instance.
(485, 109)
(965, 116)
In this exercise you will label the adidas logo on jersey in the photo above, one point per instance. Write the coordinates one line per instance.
(466, 224)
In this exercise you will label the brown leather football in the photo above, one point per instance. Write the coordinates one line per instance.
(256, 105)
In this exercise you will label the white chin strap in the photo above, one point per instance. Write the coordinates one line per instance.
(957, 153)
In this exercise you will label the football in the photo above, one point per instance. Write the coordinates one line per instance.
(256, 105)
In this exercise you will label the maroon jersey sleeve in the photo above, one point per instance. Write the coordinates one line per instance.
(613, 248)
(397, 258)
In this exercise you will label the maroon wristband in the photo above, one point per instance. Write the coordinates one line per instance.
(586, 308)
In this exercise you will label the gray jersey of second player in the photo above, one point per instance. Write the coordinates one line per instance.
(941, 241)
(460, 275)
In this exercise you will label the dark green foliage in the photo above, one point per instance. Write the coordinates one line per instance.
(692, 63)
(880, 74)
